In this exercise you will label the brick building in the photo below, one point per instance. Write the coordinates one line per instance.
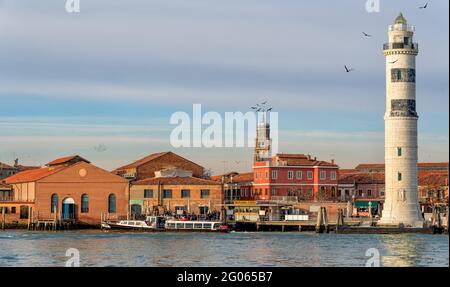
(8, 170)
(297, 175)
(69, 188)
(236, 186)
(178, 195)
(146, 167)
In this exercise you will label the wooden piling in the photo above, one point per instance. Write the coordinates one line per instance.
(319, 221)
(54, 219)
(3, 218)
(325, 219)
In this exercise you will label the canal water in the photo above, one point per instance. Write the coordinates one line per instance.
(98, 248)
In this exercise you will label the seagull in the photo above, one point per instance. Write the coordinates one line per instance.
(347, 69)
(393, 62)
(367, 35)
(424, 7)
(253, 108)
(100, 148)
(264, 103)
(269, 109)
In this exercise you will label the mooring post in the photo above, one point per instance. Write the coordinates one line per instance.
(319, 221)
(325, 219)
(3, 218)
(54, 218)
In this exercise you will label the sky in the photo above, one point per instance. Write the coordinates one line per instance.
(112, 75)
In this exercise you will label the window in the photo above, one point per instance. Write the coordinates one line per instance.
(167, 193)
(24, 212)
(204, 193)
(333, 175)
(399, 176)
(112, 203)
(406, 40)
(290, 174)
(369, 192)
(289, 191)
(185, 193)
(274, 174)
(84, 203)
(333, 191)
(274, 191)
(323, 174)
(360, 192)
(148, 193)
(399, 151)
(298, 174)
(256, 175)
(54, 203)
(13, 209)
(267, 175)
(309, 174)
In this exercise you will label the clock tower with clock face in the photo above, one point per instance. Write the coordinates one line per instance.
(401, 206)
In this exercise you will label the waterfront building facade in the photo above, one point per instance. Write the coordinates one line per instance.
(67, 189)
(179, 195)
(236, 186)
(401, 204)
(295, 175)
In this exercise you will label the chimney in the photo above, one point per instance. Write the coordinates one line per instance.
(332, 161)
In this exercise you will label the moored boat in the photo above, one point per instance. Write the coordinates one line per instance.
(201, 226)
(151, 223)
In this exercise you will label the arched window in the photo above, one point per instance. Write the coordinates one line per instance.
(112, 203)
(333, 192)
(54, 203)
(84, 203)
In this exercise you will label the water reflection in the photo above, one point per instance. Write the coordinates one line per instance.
(21, 248)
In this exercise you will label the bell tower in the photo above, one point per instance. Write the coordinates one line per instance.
(263, 141)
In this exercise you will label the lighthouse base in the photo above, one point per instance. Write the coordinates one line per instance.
(410, 218)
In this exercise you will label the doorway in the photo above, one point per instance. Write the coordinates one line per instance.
(68, 209)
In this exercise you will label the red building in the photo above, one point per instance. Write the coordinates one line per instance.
(295, 175)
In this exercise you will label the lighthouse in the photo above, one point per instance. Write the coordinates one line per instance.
(401, 206)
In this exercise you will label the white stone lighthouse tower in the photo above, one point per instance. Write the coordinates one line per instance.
(401, 190)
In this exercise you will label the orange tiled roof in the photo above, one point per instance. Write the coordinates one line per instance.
(176, 181)
(31, 175)
(362, 178)
(301, 159)
(370, 165)
(150, 158)
(429, 178)
(237, 177)
(420, 164)
(65, 160)
(433, 179)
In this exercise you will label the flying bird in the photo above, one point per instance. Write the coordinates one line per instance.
(424, 7)
(269, 109)
(253, 108)
(393, 62)
(264, 103)
(347, 69)
(367, 35)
